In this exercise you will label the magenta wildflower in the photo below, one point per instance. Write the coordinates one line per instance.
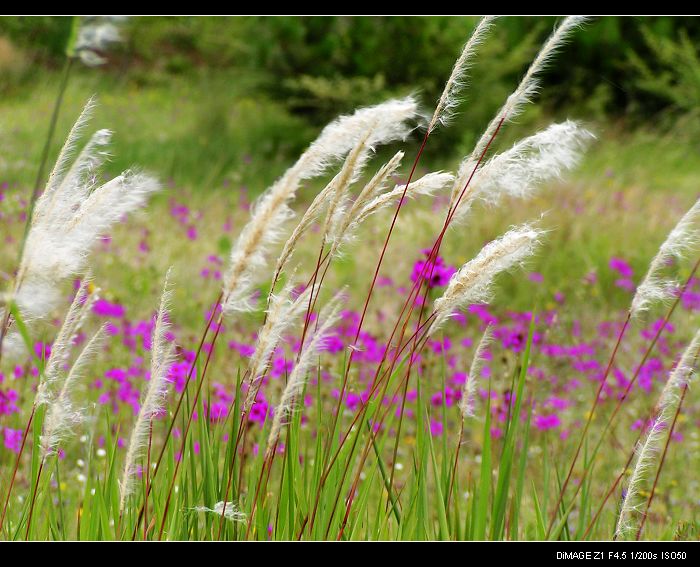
(12, 439)
(8, 401)
(536, 277)
(436, 273)
(621, 266)
(546, 422)
(104, 308)
(259, 412)
(436, 428)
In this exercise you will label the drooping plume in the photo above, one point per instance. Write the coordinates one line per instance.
(69, 216)
(468, 399)
(683, 239)
(519, 171)
(385, 123)
(648, 451)
(153, 399)
(366, 206)
(473, 282)
(297, 378)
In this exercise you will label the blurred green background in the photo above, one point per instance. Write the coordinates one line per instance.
(193, 98)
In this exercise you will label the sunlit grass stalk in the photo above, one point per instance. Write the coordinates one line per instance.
(198, 391)
(153, 398)
(620, 402)
(447, 100)
(61, 415)
(281, 314)
(521, 95)
(669, 400)
(408, 307)
(295, 384)
(647, 353)
(662, 460)
(75, 317)
(587, 425)
(372, 125)
(467, 401)
(653, 289)
(178, 406)
(470, 284)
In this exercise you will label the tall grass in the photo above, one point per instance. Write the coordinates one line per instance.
(306, 465)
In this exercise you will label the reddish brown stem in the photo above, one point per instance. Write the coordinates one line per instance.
(16, 466)
(171, 425)
(661, 463)
(632, 382)
(431, 260)
(589, 420)
(198, 391)
(31, 504)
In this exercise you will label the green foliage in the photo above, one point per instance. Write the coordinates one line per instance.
(320, 66)
(673, 75)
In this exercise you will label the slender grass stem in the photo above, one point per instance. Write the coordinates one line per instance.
(16, 465)
(622, 398)
(185, 433)
(645, 514)
(589, 420)
(33, 500)
(171, 425)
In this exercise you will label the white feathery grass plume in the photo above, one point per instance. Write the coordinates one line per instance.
(297, 378)
(81, 305)
(514, 104)
(69, 146)
(376, 185)
(681, 240)
(283, 312)
(429, 184)
(338, 199)
(386, 122)
(68, 219)
(62, 414)
(456, 82)
(321, 201)
(519, 171)
(468, 399)
(371, 189)
(153, 399)
(473, 282)
(529, 84)
(95, 35)
(60, 349)
(231, 513)
(648, 451)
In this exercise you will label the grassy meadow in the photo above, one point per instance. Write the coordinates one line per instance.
(374, 443)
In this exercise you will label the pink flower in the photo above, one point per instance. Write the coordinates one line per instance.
(104, 308)
(436, 428)
(12, 439)
(546, 422)
(436, 273)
